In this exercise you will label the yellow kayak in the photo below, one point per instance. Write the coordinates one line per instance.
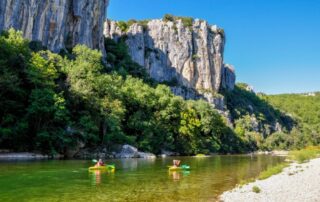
(175, 168)
(200, 155)
(103, 168)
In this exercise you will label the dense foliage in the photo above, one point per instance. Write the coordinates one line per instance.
(255, 118)
(120, 61)
(252, 113)
(305, 108)
(289, 121)
(51, 103)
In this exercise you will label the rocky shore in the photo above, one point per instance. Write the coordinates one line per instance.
(298, 182)
(124, 151)
(22, 156)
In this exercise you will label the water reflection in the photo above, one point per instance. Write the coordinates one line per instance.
(177, 175)
(98, 175)
(134, 164)
(95, 177)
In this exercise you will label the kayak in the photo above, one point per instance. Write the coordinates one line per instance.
(183, 167)
(200, 155)
(103, 168)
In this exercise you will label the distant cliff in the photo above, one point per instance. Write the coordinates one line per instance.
(182, 49)
(57, 24)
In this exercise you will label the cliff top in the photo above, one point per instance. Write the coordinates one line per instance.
(169, 20)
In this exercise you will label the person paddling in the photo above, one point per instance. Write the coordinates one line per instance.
(99, 163)
(176, 163)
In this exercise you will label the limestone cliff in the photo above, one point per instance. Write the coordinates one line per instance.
(57, 24)
(228, 77)
(192, 55)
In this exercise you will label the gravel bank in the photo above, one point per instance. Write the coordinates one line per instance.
(298, 182)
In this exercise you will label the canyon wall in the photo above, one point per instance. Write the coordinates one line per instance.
(58, 24)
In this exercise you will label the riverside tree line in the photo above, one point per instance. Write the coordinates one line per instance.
(52, 102)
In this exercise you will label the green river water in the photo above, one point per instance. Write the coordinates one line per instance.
(134, 179)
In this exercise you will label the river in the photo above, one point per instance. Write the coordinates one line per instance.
(133, 180)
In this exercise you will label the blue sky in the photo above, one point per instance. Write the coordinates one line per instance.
(273, 44)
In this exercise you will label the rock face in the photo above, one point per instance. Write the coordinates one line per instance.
(191, 56)
(128, 151)
(58, 24)
(228, 77)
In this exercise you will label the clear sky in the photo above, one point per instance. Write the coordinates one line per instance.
(273, 44)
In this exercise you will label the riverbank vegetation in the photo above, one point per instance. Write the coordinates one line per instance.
(305, 154)
(272, 170)
(299, 156)
(53, 102)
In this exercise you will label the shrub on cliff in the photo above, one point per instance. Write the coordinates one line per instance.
(168, 17)
(123, 26)
(120, 60)
(186, 21)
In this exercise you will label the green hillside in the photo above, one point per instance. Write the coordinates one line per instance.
(305, 109)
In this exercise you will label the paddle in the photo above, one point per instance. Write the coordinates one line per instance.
(94, 161)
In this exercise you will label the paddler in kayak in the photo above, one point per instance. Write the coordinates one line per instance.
(176, 163)
(99, 163)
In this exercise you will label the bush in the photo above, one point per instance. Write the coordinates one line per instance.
(195, 57)
(168, 17)
(256, 189)
(123, 26)
(186, 21)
